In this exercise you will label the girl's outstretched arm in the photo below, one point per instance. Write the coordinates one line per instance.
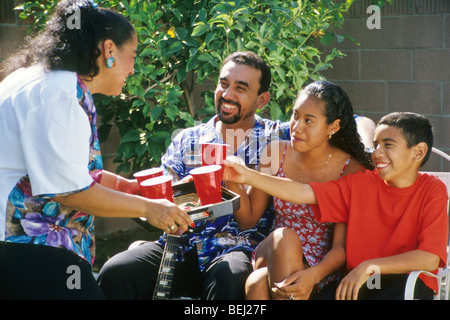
(282, 188)
(255, 202)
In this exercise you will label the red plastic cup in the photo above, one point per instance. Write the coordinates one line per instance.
(147, 174)
(214, 153)
(157, 188)
(207, 181)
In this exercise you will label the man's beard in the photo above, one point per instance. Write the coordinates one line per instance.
(230, 119)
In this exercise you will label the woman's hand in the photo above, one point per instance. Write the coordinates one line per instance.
(167, 216)
(297, 286)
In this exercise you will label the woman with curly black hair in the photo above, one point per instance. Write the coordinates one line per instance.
(324, 145)
(52, 180)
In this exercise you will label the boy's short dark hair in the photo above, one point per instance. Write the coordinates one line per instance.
(416, 128)
(251, 59)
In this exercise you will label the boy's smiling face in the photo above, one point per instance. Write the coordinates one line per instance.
(397, 164)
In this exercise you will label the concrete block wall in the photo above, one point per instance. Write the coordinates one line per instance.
(403, 66)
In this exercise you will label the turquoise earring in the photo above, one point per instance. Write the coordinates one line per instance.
(110, 62)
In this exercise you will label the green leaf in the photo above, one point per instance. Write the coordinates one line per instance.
(199, 30)
(181, 73)
(202, 15)
(147, 52)
(131, 136)
(160, 136)
(222, 8)
(275, 112)
(321, 67)
(173, 48)
(156, 112)
(327, 38)
(210, 37)
(140, 149)
(182, 33)
(280, 71)
(171, 112)
(103, 132)
(187, 117)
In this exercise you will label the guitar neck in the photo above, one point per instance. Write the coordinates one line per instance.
(165, 274)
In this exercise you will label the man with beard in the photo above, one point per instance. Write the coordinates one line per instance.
(214, 260)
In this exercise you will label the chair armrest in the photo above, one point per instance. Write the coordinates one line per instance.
(411, 282)
(412, 278)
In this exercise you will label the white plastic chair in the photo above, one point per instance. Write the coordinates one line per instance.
(443, 273)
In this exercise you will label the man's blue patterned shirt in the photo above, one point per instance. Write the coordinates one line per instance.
(217, 237)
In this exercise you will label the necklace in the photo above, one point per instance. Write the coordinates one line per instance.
(321, 173)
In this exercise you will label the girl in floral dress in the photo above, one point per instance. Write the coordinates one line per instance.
(300, 256)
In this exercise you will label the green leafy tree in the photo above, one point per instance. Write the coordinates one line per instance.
(182, 45)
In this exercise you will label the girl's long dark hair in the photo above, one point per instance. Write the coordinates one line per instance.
(338, 106)
(72, 45)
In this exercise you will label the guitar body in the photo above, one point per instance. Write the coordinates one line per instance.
(166, 268)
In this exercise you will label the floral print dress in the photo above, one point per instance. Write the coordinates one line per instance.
(316, 237)
(40, 220)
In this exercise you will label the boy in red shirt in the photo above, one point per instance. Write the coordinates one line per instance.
(397, 217)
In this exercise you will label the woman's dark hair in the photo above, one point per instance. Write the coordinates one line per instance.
(254, 61)
(338, 106)
(71, 38)
(415, 127)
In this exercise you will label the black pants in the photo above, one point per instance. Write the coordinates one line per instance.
(392, 287)
(29, 271)
(132, 274)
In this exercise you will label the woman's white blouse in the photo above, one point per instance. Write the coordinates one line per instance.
(43, 134)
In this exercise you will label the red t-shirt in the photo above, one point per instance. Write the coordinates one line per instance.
(383, 220)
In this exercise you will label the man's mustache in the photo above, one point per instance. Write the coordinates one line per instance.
(222, 100)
